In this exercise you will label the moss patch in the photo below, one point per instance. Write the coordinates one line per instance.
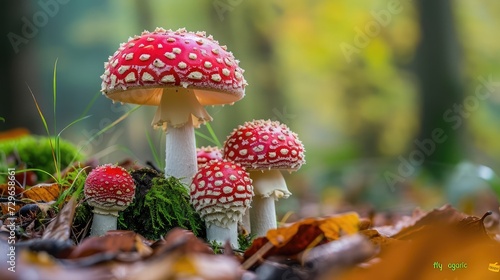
(36, 152)
(160, 205)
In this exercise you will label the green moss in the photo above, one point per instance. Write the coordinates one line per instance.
(36, 152)
(160, 205)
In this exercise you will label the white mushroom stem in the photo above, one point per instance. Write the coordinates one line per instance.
(180, 148)
(222, 234)
(268, 187)
(179, 112)
(103, 221)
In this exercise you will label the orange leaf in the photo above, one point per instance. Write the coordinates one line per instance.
(302, 235)
(330, 227)
(43, 192)
(14, 133)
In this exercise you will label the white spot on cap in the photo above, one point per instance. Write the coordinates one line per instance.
(243, 152)
(284, 151)
(123, 68)
(129, 56)
(182, 65)
(192, 56)
(216, 78)
(195, 75)
(215, 51)
(160, 46)
(176, 50)
(169, 55)
(232, 177)
(158, 63)
(150, 39)
(238, 76)
(258, 148)
(146, 77)
(130, 77)
(227, 190)
(223, 199)
(114, 63)
(218, 183)
(170, 40)
(207, 64)
(272, 154)
(240, 188)
(168, 79)
(226, 72)
(144, 57)
(228, 62)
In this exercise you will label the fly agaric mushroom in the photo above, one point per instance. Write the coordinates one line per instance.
(109, 189)
(180, 72)
(206, 154)
(221, 192)
(264, 148)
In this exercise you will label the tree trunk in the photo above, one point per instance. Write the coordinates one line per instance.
(438, 67)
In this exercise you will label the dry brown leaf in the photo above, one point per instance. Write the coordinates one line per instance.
(295, 238)
(181, 239)
(60, 227)
(14, 133)
(442, 244)
(113, 242)
(43, 192)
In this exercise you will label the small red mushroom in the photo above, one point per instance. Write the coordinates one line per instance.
(109, 189)
(206, 154)
(221, 192)
(264, 148)
(180, 72)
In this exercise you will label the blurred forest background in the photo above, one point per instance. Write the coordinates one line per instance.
(397, 102)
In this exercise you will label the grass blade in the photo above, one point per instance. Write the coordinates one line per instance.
(153, 150)
(201, 135)
(212, 134)
(91, 103)
(110, 126)
(44, 121)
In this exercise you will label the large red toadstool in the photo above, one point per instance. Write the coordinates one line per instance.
(265, 148)
(180, 72)
(221, 192)
(109, 189)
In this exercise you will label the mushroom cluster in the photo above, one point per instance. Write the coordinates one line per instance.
(180, 72)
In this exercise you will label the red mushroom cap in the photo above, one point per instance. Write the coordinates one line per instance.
(221, 192)
(166, 58)
(264, 145)
(109, 188)
(206, 154)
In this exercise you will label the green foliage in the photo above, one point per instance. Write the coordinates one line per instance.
(36, 152)
(245, 241)
(160, 205)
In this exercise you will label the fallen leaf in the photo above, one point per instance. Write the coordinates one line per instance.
(297, 237)
(60, 227)
(43, 192)
(14, 133)
(113, 242)
(441, 244)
